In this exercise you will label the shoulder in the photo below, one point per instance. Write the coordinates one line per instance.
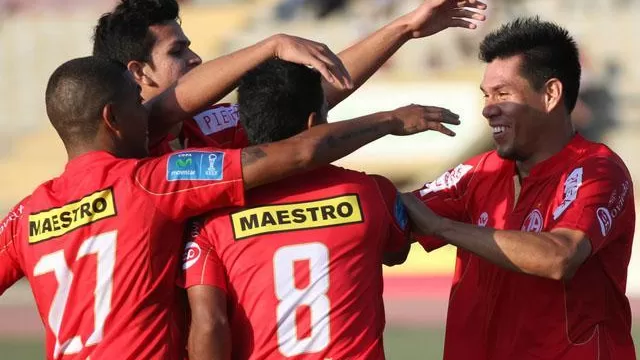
(14, 215)
(601, 159)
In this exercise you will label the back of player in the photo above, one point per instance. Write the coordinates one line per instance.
(100, 244)
(303, 264)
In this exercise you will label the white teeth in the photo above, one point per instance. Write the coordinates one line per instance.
(498, 129)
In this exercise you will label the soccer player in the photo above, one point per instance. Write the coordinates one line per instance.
(300, 266)
(544, 225)
(145, 36)
(98, 244)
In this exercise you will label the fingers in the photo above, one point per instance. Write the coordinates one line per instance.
(317, 56)
(331, 67)
(460, 23)
(468, 14)
(474, 4)
(445, 130)
(442, 115)
(337, 67)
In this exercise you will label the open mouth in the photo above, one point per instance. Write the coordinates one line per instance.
(498, 130)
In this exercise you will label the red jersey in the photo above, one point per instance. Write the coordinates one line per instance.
(302, 265)
(99, 243)
(217, 127)
(500, 314)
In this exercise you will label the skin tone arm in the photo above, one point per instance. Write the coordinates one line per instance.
(555, 255)
(363, 59)
(211, 81)
(209, 333)
(326, 143)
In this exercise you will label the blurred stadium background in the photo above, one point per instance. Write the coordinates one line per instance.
(38, 35)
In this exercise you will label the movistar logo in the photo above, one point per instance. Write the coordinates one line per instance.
(183, 163)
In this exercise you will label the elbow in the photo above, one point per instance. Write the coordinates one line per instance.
(307, 155)
(213, 328)
(562, 267)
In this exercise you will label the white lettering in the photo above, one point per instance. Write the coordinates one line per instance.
(446, 180)
(571, 186)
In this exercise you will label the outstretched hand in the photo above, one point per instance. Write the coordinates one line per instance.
(414, 119)
(434, 16)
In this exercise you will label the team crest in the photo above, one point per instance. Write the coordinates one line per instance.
(534, 222)
(483, 219)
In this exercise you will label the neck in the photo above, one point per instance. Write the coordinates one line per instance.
(548, 146)
(74, 151)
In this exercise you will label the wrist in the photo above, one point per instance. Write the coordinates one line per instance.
(389, 121)
(402, 27)
(272, 44)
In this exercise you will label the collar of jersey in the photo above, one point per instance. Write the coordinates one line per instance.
(560, 161)
(87, 160)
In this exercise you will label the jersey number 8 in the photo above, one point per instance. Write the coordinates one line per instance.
(291, 297)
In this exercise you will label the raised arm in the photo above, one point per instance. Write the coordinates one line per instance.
(326, 143)
(364, 58)
(211, 81)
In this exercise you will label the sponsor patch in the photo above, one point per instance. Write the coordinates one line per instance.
(215, 120)
(195, 165)
(191, 255)
(56, 222)
(341, 210)
(571, 186)
(446, 180)
(400, 213)
(618, 206)
(483, 219)
(533, 222)
(605, 219)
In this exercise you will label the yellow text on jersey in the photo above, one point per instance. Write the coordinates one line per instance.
(341, 210)
(56, 222)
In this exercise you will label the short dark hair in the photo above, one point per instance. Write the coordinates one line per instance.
(124, 35)
(548, 51)
(77, 92)
(276, 98)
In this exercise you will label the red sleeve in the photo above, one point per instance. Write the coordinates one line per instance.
(200, 262)
(240, 140)
(446, 197)
(188, 183)
(397, 213)
(602, 205)
(10, 269)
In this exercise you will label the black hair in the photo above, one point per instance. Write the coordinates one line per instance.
(548, 51)
(276, 98)
(124, 35)
(77, 92)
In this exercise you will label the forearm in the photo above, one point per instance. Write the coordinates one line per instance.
(364, 58)
(317, 146)
(541, 254)
(207, 84)
(210, 343)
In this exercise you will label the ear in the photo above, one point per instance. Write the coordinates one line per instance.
(109, 120)
(313, 120)
(553, 94)
(139, 70)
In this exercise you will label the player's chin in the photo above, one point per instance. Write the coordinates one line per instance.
(505, 151)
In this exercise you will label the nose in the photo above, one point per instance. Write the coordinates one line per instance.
(194, 59)
(491, 110)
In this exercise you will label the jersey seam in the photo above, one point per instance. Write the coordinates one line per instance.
(143, 188)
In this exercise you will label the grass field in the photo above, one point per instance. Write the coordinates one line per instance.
(400, 343)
